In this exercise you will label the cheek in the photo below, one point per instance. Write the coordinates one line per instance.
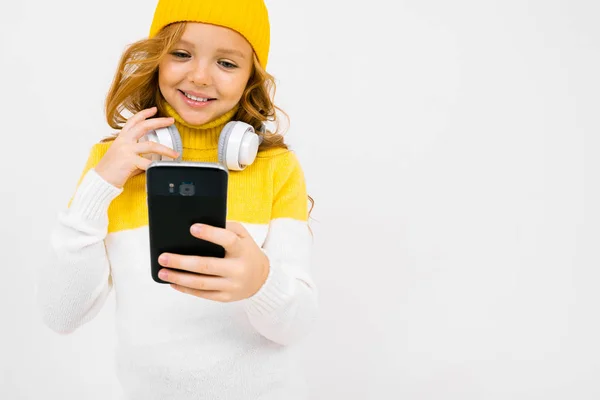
(233, 86)
(168, 74)
(163, 80)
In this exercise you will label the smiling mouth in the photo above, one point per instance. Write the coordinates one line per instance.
(196, 98)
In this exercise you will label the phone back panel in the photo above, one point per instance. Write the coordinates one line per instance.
(180, 195)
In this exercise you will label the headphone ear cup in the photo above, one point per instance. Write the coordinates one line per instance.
(176, 140)
(238, 145)
(169, 137)
(223, 140)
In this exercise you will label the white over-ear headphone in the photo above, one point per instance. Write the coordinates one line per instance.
(238, 144)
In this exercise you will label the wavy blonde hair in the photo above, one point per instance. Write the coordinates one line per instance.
(135, 88)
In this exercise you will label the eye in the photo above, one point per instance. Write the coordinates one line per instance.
(228, 65)
(180, 54)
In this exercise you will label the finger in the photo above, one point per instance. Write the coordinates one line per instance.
(238, 228)
(153, 147)
(193, 281)
(142, 163)
(227, 239)
(136, 172)
(148, 125)
(215, 295)
(199, 265)
(140, 116)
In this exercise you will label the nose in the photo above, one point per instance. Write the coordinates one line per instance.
(199, 74)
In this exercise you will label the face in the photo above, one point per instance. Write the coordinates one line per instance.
(204, 75)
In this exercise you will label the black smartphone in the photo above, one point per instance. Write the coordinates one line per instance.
(180, 194)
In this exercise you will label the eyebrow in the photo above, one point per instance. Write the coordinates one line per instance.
(231, 51)
(221, 50)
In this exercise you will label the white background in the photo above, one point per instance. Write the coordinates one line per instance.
(451, 148)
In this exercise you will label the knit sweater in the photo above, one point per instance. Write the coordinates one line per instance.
(173, 345)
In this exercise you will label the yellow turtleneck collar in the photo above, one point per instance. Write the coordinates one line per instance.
(205, 136)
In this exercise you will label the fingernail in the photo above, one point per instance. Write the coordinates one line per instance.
(196, 228)
(162, 274)
(162, 260)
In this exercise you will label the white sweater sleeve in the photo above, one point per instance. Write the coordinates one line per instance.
(75, 282)
(286, 307)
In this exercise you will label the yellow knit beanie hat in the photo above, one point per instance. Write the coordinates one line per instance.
(248, 17)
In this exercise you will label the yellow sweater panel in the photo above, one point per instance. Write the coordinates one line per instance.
(271, 187)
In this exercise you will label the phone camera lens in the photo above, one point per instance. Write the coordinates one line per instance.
(187, 189)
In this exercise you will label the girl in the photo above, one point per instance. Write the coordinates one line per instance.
(222, 328)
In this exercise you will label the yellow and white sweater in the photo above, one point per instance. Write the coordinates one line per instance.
(172, 345)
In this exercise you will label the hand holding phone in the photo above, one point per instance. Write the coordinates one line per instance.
(238, 276)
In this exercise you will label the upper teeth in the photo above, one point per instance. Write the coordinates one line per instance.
(189, 96)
